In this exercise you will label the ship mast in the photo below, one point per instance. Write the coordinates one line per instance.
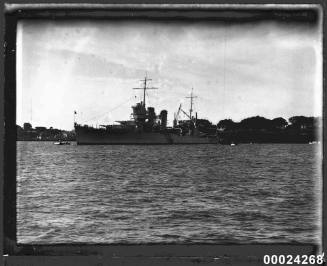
(145, 88)
(191, 97)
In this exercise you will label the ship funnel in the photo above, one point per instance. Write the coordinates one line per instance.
(151, 115)
(163, 118)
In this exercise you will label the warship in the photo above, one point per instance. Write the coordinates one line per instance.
(145, 127)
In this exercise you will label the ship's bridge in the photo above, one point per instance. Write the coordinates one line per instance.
(139, 112)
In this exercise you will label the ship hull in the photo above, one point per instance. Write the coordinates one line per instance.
(94, 136)
(176, 139)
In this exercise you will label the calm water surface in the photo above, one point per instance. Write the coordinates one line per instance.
(168, 194)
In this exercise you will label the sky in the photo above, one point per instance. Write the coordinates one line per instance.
(237, 70)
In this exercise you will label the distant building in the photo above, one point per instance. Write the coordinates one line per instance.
(40, 129)
(27, 126)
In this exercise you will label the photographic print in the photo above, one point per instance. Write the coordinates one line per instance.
(170, 131)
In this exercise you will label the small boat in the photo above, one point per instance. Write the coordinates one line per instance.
(232, 144)
(61, 143)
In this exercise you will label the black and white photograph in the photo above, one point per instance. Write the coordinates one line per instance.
(170, 131)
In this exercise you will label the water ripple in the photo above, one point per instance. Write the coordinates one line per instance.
(168, 194)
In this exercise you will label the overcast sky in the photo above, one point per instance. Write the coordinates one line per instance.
(269, 69)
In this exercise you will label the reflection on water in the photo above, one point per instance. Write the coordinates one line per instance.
(168, 194)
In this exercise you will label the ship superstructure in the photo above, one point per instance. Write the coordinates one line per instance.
(146, 127)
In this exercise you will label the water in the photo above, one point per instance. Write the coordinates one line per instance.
(257, 193)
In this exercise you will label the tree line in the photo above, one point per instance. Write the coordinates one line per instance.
(27, 132)
(258, 129)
